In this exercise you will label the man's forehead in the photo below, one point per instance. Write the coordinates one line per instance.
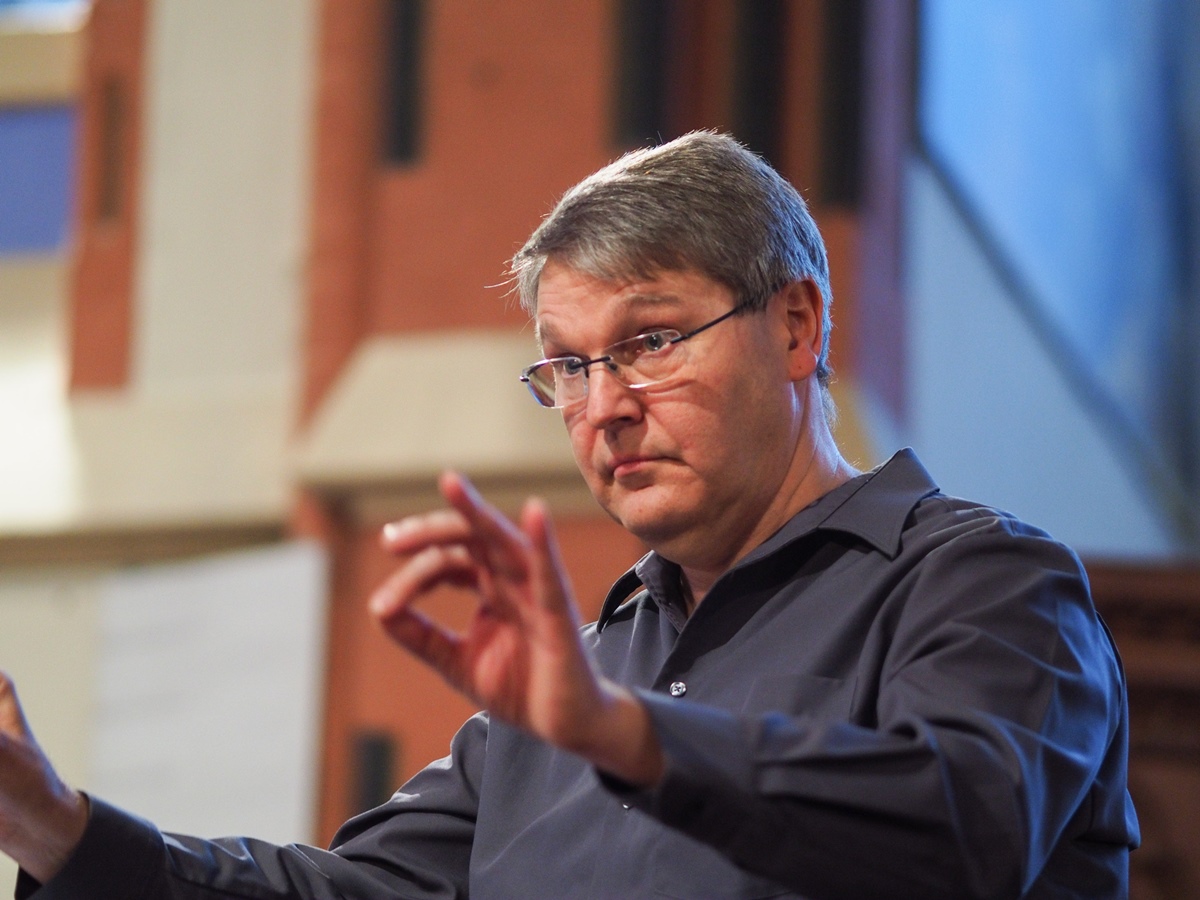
(570, 300)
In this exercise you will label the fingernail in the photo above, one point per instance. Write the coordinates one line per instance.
(393, 530)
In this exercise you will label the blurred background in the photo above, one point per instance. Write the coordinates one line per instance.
(252, 300)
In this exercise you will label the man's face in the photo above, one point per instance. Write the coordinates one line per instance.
(690, 465)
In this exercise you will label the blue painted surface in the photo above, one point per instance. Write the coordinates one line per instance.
(1060, 124)
(36, 6)
(37, 146)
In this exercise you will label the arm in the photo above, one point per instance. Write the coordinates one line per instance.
(983, 749)
(417, 845)
(41, 818)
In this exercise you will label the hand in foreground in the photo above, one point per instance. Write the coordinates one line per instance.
(521, 656)
(41, 818)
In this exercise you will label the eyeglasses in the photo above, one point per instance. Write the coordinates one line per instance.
(636, 362)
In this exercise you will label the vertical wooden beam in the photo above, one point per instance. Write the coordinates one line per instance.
(346, 163)
(799, 149)
(106, 206)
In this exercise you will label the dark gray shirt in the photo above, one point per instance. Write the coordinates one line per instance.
(899, 694)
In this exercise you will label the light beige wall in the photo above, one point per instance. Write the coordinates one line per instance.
(41, 54)
(47, 618)
(223, 221)
(188, 692)
(37, 467)
(201, 433)
(48, 644)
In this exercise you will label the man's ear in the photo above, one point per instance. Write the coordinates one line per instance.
(804, 307)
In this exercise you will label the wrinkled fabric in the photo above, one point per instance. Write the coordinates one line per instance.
(899, 694)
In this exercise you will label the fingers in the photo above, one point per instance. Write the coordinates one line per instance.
(419, 575)
(471, 522)
(444, 526)
(428, 641)
(520, 655)
(529, 553)
(500, 545)
(12, 718)
(470, 518)
(392, 605)
(514, 567)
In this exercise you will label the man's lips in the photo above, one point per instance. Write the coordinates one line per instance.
(623, 466)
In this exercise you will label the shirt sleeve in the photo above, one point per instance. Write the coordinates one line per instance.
(990, 735)
(417, 845)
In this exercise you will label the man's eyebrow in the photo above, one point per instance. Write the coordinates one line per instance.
(637, 301)
(541, 333)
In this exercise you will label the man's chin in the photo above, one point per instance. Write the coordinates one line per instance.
(651, 523)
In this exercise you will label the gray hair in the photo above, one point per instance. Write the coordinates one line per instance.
(702, 202)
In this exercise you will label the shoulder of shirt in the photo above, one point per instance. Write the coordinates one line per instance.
(966, 525)
(894, 505)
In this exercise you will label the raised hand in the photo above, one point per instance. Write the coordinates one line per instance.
(41, 818)
(521, 656)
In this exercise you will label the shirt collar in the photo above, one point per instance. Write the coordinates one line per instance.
(873, 507)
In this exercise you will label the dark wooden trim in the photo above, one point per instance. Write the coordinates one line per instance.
(1153, 611)
(404, 82)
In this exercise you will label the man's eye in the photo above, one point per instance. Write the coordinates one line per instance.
(654, 341)
(572, 365)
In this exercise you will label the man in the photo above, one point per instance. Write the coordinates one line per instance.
(826, 683)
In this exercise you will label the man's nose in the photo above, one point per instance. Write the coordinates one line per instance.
(609, 399)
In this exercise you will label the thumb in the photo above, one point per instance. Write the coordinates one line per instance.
(12, 718)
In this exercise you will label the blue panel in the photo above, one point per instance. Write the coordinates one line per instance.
(36, 178)
(1056, 122)
(36, 6)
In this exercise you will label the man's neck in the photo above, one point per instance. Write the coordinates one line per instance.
(824, 470)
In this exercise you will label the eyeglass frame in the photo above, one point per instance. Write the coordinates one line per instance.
(585, 365)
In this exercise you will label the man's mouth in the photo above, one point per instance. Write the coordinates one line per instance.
(627, 466)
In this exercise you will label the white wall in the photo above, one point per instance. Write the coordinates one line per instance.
(223, 223)
(188, 692)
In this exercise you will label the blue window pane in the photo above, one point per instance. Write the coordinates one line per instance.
(36, 178)
(1058, 123)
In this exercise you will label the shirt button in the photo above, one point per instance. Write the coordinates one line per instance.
(625, 806)
(677, 689)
